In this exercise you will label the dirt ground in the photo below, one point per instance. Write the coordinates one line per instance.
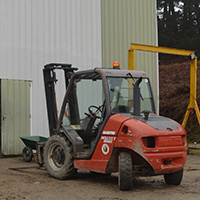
(30, 183)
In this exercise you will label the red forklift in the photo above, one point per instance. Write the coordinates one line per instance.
(107, 123)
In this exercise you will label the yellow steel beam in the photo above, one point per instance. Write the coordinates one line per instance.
(131, 59)
(186, 117)
(189, 108)
(165, 50)
(193, 81)
(196, 108)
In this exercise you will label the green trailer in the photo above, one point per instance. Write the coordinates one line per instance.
(33, 143)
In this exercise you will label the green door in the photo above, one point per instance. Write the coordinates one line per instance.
(15, 115)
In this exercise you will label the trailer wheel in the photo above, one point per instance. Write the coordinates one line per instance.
(58, 157)
(125, 171)
(27, 154)
(174, 178)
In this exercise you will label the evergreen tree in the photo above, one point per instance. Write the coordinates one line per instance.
(179, 23)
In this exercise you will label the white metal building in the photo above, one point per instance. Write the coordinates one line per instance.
(84, 33)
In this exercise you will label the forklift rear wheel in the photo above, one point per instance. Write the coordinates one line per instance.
(27, 154)
(174, 178)
(125, 171)
(58, 157)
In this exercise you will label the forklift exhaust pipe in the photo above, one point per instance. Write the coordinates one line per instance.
(136, 97)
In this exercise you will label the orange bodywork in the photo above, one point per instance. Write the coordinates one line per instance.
(121, 133)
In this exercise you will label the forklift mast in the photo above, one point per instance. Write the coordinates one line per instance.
(49, 84)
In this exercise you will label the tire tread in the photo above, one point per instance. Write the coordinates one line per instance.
(174, 178)
(68, 169)
(125, 171)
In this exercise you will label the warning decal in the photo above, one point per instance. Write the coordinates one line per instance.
(105, 149)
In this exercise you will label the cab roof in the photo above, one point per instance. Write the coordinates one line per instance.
(121, 73)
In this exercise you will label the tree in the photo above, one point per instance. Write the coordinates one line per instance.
(179, 23)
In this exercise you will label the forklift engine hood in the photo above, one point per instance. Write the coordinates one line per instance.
(158, 122)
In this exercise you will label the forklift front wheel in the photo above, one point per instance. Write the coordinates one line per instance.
(27, 154)
(125, 171)
(58, 157)
(174, 178)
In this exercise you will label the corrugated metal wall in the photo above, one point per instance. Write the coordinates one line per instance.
(126, 22)
(15, 114)
(34, 33)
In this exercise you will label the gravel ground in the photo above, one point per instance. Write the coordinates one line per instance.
(29, 182)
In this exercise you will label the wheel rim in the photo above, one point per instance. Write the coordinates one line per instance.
(27, 153)
(56, 156)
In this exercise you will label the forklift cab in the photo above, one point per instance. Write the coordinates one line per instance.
(84, 109)
(92, 97)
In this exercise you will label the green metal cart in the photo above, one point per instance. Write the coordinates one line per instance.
(33, 143)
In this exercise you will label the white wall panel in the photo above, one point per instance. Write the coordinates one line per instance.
(37, 32)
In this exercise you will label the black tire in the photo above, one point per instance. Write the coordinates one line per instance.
(174, 178)
(27, 154)
(58, 157)
(125, 171)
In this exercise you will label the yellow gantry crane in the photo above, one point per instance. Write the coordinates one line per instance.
(193, 71)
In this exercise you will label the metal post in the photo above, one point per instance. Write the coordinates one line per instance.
(131, 59)
(193, 94)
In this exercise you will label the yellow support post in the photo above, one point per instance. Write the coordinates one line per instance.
(131, 59)
(186, 117)
(196, 108)
(193, 92)
(193, 71)
(193, 81)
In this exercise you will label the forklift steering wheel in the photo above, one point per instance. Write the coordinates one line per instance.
(95, 112)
